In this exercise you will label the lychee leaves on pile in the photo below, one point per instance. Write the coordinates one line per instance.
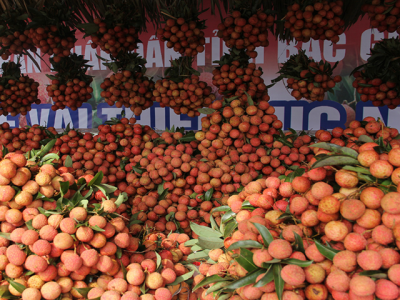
(71, 67)
(224, 287)
(383, 63)
(300, 62)
(126, 61)
(181, 69)
(347, 157)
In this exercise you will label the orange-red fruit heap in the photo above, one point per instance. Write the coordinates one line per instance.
(71, 94)
(244, 32)
(234, 79)
(348, 137)
(133, 90)
(375, 90)
(114, 39)
(320, 21)
(185, 97)
(17, 96)
(184, 37)
(384, 15)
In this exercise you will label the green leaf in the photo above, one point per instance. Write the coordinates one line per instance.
(109, 189)
(50, 157)
(337, 149)
(328, 252)
(365, 139)
(5, 235)
(271, 262)
(297, 262)
(208, 194)
(118, 254)
(121, 199)
(124, 271)
(265, 234)
(96, 180)
(198, 255)
(209, 280)
(64, 186)
(68, 162)
(357, 169)
(230, 227)
(190, 243)
(206, 111)
(46, 148)
(163, 195)
(16, 285)
(267, 278)
(221, 208)
(229, 215)
(203, 231)
(158, 260)
(29, 225)
(246, 260)
(245, 244)
(374, 274)
(249, 99)
(83, 291)
(214, 225)
(248, 279)
(97, 228)
(299, 244)
(182, 278)
(210, 243)
(216, 287)
(334, 161)
(279, 283)
(160, 188)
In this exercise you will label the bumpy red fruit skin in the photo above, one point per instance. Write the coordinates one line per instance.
(391, 203)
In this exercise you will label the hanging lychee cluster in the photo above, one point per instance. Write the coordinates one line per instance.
(182, 90)
(70, 85)
(128, 86)
(17, 92)
(384, 15)
(236, 76)
(185, 37)
(377, 84)
(307, 78)
(320, 20)
(246, 30)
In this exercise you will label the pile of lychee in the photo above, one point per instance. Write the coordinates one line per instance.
(50, 250)
(319, 21)
(246, 31)
(384, 15)
(357, 222)
(185, 37)
(17, 92)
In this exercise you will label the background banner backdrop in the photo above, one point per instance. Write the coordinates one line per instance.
(342, 107)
